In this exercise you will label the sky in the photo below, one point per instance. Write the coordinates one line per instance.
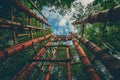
(61, 24)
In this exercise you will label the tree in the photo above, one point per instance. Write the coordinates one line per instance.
(57, 3)
(106, 4)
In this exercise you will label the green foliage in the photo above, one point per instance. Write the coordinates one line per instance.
(27, 4)
(79, 12)
(90, 9)
(5, 9)
(106, 4)
(12, 65)
(57, 3)
(93, 32)
(78, 72)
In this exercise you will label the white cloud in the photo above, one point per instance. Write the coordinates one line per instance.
(62, 24)
(85, 2)
(58, 32)
(72, 9)
(51, 15)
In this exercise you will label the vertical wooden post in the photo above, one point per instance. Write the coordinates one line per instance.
(12, 13)
(109, 61)
(14, 35)
(12, 29)
(83, 27)
(50, 66)
(69, 75)
(92, 74)
(31, 34)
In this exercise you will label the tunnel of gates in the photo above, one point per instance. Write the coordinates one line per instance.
(30, 52)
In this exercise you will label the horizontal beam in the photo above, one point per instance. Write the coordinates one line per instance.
(62, 36)
(56, 46)
(112, 14)
(8, 24)
(55, 65)
(62, 64)
(21, 35)
(49, 60)
(5, 26)
(63, 39)
(60, 40)
(73, 63)
(33, 27)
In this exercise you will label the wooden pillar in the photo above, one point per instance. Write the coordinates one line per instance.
(31, 34)
(109, 61)
(83, 27)
(92, 74)
(12, 29)
(69, 75)
(50, 66)
(14, 35)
